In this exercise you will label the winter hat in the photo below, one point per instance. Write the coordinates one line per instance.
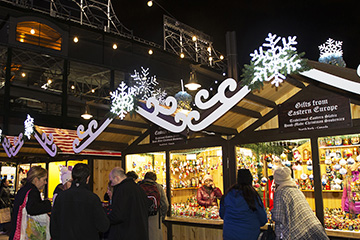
(282, 175)
(244, 177)
(207, 176)
(65, 175)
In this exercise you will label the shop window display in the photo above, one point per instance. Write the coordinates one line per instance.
(143, 163)
(189, 170)
(340, 161)
(262, 158)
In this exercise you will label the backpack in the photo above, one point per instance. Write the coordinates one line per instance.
(153, 195)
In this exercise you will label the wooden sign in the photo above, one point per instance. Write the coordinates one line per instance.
(314, 112)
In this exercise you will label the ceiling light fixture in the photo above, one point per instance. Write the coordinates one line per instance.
(193, 84)
(87, 114)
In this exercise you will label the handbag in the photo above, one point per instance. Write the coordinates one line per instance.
(5, 215)
(268, 234)
(32, 227)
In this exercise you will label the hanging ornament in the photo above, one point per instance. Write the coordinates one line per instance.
(309, 167)
(183, 98)
(342, 162)
(303, 176)
(287, 163)
(311, 177)
(350, 161)
(342, 171)
(337, 166)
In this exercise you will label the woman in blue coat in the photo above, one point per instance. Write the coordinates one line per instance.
(242, 209)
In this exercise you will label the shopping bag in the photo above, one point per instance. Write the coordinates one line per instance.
(31, 227)
(5, 215)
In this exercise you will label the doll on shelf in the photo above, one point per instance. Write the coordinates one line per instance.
(350, 201)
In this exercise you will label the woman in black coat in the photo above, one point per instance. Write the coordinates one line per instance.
(36, 181)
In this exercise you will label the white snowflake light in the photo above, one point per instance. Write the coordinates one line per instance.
(331, 53)
(29, 126)
(271, 63)
(331, 48)
(144, 84)
(160, 95)
(122, 100)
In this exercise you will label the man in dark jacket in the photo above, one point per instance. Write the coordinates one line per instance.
(129, 216)
(77, 212)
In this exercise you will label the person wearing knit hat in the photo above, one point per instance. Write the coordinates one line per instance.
(65, 177)
(293, 216)
(207, 195)
(242, 209)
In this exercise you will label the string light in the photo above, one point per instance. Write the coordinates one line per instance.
(114, 46)
(182, 55)
(194, 38)
(221, 57)
(49, 81)
(23, 74)
(150, 3)
(76, 39)
(92, 90)
(21, 40)
(72, 87)
(150, 52)
(32, 31)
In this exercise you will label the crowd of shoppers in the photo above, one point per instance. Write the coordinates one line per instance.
(78, 213)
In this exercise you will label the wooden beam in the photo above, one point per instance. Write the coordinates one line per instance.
(130, 123)
(105, 145)
(295, 82)
(139, 139)
(221, 130)
(123, 131)
(246, 112)
(260, 100)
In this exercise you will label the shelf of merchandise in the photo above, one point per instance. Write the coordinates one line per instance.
(189, 188)
(340, 146)
(324, 191)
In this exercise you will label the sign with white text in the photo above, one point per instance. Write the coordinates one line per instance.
(317, 113)
(164, 137)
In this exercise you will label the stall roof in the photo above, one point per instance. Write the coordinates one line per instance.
(256, 111)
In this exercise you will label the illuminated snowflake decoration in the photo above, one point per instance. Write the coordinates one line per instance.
(29, 126)
(122, 100)
(160, 95)
(274, 63)
(331, 52)
(144, 84)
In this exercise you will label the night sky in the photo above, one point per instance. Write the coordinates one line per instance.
(313, 22)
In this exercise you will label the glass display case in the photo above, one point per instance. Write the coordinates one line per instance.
(188, 169)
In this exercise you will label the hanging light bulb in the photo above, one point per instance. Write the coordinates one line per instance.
(76, 39)
(150, 52)
(221, 57)
(194, 38)
(150, 3)
(115, 46)
(193, 84)
(87, 114)
(182, 55)
(32, 31)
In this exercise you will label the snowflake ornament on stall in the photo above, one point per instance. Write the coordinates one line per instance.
(273, 64)
(331, 53)
(160, 95)
(144, 84)
(29, 126)
(122, 100)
